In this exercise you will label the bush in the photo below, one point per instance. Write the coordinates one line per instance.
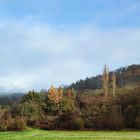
(33, 122)
(3, 126)
(48, 123)
(71, 122)
(5, 120)
(130, 106)
(19, 124)
(110, 121)
(89, 123)
(137, 122)
(77, 123)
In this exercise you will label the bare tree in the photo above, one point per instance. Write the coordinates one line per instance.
(114, 83)
(105, 80)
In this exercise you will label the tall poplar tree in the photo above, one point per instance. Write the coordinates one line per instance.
(114, 84)
(105, 80)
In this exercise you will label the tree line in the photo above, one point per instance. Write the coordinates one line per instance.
(128, 75)
(70, 109)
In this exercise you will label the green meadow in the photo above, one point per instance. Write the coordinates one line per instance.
(34, 134)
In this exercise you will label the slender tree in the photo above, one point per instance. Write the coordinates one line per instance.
(105, 80)
(114, 84)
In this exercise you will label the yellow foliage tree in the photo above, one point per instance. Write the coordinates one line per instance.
(55, 95)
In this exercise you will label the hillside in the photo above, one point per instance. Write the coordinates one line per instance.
(69, 109)
(125, 76)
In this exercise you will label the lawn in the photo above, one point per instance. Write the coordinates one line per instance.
(34, 134)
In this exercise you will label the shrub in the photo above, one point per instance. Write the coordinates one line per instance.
(137, 122)
(89, 123)
(111, 121)
(48, 123)
(5, 120)
(3, 126)
(130, 106)
(77, 123)
(71, 121)
(33, 122)
(19, 124)
(116, 123)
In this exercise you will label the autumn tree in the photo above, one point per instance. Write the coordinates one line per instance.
(70, 93)
(105, 80)
(55, 96)
(113, 83)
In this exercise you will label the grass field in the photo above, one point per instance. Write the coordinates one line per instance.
(70, 135)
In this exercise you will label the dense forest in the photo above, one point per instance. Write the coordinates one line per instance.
(110, 101)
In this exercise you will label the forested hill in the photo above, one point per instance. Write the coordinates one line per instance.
(125, 76)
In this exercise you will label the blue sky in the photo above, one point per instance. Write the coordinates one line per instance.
(45, 42)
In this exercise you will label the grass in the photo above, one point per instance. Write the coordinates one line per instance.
(34, 134)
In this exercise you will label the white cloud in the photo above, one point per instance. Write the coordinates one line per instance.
(36, 55)
(16, 82)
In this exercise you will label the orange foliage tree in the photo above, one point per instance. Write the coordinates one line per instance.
(55, 96)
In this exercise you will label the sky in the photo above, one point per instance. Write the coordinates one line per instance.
(57, 42)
